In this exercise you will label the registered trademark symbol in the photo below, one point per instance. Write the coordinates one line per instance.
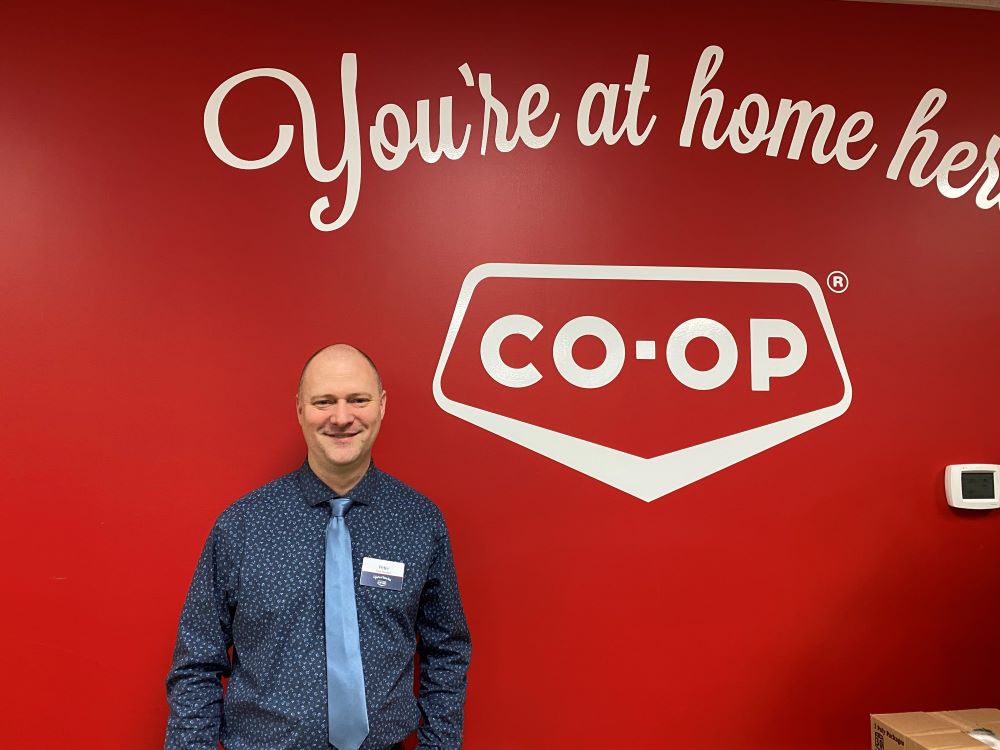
(837, 281)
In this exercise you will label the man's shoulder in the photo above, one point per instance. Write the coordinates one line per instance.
(406, 499)
(263, 500)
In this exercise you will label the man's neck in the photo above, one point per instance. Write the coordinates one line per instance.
(340, 481)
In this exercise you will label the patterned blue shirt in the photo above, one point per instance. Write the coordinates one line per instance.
(258, 589)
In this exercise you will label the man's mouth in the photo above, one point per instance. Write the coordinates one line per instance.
(340, 435)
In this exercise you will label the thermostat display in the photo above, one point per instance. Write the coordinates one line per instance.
(972, 485)
(978, 485)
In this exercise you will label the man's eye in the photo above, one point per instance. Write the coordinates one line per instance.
(359, 401)
(321, 403)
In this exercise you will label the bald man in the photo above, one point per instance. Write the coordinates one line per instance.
(314, 592)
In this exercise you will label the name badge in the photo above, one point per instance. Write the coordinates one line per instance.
(382, 574)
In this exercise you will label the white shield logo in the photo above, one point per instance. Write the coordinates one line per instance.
(646, 478)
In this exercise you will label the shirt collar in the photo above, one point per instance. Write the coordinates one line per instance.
(316, 492)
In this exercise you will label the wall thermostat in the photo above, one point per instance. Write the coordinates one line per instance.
(972, 486)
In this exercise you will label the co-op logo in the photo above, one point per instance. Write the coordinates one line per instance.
(644, 378)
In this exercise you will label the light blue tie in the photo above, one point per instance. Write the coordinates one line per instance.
(345, 680)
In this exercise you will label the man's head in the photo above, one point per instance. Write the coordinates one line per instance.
(340, 404)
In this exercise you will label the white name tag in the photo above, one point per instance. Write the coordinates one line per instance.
(383, 574)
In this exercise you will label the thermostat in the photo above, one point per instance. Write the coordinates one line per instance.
(972, 486)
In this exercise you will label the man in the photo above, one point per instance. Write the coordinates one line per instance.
(321, 583)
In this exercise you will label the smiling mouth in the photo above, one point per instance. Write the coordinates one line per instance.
(340, 435)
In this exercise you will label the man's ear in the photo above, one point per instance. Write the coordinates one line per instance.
(382, 405)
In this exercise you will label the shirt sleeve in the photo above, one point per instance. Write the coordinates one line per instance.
(444, 649)
(201, 656)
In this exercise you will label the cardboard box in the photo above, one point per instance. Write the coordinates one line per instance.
(977, 729)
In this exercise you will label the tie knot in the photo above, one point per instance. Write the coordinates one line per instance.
(340, 506)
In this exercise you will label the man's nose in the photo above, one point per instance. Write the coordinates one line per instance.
(342, 413)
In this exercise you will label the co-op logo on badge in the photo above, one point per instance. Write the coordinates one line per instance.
(644, 378)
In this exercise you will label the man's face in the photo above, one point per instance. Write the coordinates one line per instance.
(340, 408)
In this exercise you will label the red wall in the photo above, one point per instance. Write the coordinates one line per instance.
(157, 304)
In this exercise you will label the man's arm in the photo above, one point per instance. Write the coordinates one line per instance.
(444, 650)
(201, 656)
